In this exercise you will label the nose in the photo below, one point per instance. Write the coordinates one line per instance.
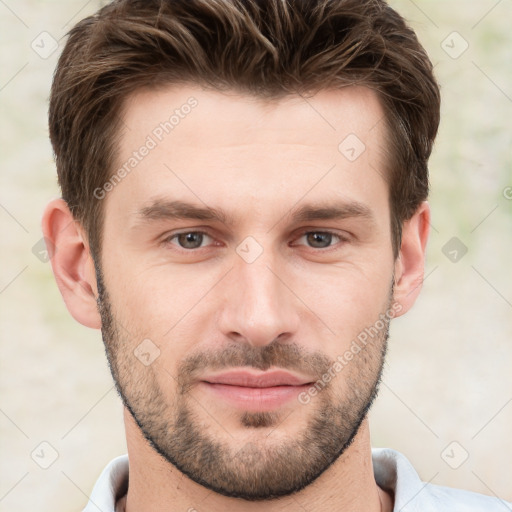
(258, 307)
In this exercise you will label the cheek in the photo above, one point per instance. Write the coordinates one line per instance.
(162, 302)
(346, 299)
(177, 303)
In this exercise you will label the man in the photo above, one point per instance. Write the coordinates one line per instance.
(244, 211)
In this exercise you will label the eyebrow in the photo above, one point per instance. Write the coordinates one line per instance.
(169, 210)
(335, 211)
(180, 210)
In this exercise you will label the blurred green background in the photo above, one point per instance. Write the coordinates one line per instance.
(448, 378)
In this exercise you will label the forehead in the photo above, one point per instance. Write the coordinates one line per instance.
(185, 142)
(233, 117)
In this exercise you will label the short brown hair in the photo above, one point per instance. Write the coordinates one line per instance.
(266, 48)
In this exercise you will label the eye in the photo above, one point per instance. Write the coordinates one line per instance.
(189, 239)
(320, 239)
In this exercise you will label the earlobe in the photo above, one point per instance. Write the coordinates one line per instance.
(410, 264)
(72, 263)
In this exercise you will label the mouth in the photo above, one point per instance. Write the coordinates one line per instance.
(257, 392)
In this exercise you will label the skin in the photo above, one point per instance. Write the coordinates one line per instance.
(259, 162)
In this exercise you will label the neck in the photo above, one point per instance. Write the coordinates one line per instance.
(157, 486)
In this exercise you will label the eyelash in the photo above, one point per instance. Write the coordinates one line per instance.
(342, 239)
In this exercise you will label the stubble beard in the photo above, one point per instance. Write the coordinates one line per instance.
(264, 467)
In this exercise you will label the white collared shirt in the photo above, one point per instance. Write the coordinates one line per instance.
(393, 472)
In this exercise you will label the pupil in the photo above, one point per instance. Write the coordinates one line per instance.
(319, 239)
(190, 240)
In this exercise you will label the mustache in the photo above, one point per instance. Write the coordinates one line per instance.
(287, 356)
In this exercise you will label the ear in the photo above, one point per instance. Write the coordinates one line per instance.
(410, 264)
(72, 263)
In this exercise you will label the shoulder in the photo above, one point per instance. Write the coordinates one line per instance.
(395, 473)
(458, 500)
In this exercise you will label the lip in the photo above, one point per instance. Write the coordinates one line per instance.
(257, 380)
(257, 392)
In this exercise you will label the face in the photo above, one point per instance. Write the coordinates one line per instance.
(246, 280)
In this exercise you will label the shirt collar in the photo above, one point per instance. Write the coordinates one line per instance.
(393, 473)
